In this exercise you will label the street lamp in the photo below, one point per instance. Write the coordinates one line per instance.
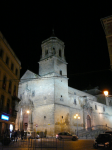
(28, 111)
(77, 117)
(106, 93)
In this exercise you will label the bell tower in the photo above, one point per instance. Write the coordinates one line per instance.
(52, 57)
(53, 65)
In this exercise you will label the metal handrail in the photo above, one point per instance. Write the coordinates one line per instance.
(94, 130)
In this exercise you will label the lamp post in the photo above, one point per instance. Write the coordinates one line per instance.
(77, 117)
(28, 119)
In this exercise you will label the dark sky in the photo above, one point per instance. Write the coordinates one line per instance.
(77, 23)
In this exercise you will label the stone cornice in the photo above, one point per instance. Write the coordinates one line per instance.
(52, 39)
(51, 57)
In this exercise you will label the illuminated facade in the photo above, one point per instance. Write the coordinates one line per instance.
(9, 80)
(52, 104)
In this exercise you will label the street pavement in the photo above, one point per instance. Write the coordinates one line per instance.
(81, 144)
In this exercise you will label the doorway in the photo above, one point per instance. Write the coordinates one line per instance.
(88, 122)
(25, 121)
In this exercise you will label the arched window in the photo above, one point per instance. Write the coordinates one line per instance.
(2, 101)
(10, 84)
(61, 72)
(7, 60)
(4, 83)
(12, 66)
(60, 52)
(13, 110)
(14, 93)
(16, 71)
(54, 52)
(46, 52)
(95, 107)
(8, 106)
(75, 102)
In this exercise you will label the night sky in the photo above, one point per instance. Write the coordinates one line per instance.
(25, 24)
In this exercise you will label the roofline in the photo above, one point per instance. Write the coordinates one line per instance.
(52, 38)
(12, 52)
(106, 17)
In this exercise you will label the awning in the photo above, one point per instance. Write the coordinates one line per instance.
(8, 122)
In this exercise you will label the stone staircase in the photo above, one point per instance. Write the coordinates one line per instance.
(93, 132)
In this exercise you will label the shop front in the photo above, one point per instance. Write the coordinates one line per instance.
(6, 126)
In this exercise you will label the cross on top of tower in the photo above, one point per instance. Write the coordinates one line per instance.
(53, 35)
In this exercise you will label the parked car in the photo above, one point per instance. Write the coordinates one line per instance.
(66, 135)
(110, 132)
(32, 135)
(28, 134)
(103, 140)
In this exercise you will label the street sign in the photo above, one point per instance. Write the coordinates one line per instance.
(36, 125)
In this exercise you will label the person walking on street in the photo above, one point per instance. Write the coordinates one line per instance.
(12, 135)
(18, 133)
(22, 134)
(15, 135)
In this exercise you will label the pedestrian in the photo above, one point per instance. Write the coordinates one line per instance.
(12, 135)
(15, 135)
(18, 133)
(22, 134)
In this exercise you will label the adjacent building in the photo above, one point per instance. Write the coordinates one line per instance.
(9, 79)
(107, 26)
(47, 102)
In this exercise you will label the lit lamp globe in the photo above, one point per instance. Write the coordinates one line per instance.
(28, 111)
(78, 117)
(106, 93)
(75, 117)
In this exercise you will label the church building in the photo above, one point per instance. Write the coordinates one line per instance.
(48, 104)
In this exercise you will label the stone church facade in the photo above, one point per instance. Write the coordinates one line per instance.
(52, 104)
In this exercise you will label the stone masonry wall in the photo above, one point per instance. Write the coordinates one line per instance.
(61, 90)
(46, 66)
(59, 65)
(43, 116)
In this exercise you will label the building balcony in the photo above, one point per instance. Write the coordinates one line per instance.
(15, 98)
(14, 113)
